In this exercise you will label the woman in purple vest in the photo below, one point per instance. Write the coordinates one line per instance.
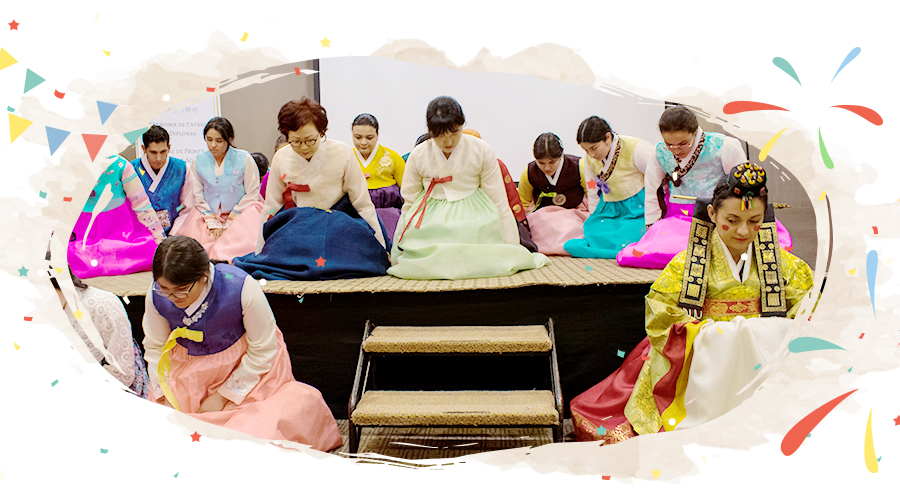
(226, 219)
(214, 351)
(553, 187)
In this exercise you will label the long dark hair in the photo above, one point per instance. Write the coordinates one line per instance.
(592, 130)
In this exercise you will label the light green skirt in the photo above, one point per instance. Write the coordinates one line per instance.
(457, 240)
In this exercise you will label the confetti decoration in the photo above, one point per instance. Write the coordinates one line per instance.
(283, 176)
(875, 230)
(326, 42)
(105, 109)
(195, 437)
(32, 80)
(757, 367)
(826, 158)
(176, 475)
(78, 314)
(126, 300)
(852, 271)
(620, 353)
(244, 38)
(320, 262)
(636, 253)
(852, 55)
(871, 272)
(897, 421)
(134, 135)
(23, 272)
(299, 71)
(17, 126)
(16, 345)
(93, 143)
(14, 25)
(606, 477)
(11, 110)
(55, 138)
(785, 66)
(869, 447)
(54, 383)
(703, 457)
(601, 431)
(720, 329)
(67, 199)
(96, 17)
(809, 344)
(656, 473)
(863, 112)
(588, 268)
(103, 451)
(848, 370)
(764, 153)
(262, 282)
(210, 89)
(743, 106)
(106, 52)
(28, 319)
(592, 184)
(822, 197)
(795, 437)
(6, 60)
(888, 261)
(58, 94)
(861, 336)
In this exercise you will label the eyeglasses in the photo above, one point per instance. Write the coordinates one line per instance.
(179, 294)
(308, 143)
(683, 145)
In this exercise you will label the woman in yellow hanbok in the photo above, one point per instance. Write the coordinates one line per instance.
(714, 317)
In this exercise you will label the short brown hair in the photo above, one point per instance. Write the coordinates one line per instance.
(296, 114)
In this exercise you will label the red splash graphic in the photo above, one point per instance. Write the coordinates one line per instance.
(743, 106)
(797, 435)
(863, 112)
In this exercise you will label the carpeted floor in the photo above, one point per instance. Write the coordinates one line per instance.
(444, 443)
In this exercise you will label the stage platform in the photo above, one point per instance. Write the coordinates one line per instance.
(597, 308)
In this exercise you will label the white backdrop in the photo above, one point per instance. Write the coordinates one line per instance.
(508, 110)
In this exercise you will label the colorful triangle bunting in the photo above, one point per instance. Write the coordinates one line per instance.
(17, 125)
(31, 80)
(134, 135)
(93, 143)
(55, 138)
(6, 60)
(105, 109)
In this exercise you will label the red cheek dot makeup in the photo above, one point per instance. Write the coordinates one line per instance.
(725, 227)
(756, 227)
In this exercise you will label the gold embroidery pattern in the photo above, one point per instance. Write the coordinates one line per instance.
(722, 308)
(768, 252)
(641, 410)
(693, 289)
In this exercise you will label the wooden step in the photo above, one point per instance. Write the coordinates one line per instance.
(456, 408)
(459, 339)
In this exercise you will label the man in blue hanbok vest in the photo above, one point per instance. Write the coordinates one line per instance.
(164, 178)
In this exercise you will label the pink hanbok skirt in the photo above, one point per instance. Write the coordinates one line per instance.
(552, 226)
(238, 239)
(278, 408)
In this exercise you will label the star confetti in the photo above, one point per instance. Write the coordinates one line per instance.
(78, 314)
(13, 25)
(897, 421)
(195, 437)
(320, 262)
(326, 42)
(601, 431)
(656, 473)
(23, 272)
(592, 184)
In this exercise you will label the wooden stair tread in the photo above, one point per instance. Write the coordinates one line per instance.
(458, 339)
(456, 408)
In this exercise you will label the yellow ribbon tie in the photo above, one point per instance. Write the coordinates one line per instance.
(165, 360)
(550, 195)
